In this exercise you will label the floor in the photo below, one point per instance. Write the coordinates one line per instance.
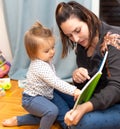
(10, 105)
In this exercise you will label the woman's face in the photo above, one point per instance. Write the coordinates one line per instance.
(76, 30)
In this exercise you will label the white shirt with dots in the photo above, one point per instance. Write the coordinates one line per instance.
(41, 80)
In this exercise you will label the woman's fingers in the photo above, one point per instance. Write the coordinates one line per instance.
(80, 75)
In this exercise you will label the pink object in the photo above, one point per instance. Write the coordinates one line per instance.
(4, 69)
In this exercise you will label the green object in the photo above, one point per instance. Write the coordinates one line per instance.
(88, 91)
(6, 86)
(90, 86)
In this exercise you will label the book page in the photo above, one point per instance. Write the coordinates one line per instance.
(90, 86)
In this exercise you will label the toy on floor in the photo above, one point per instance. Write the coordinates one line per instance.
(4, 66)
(4, 85)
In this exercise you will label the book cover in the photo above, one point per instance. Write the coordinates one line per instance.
(90, 86)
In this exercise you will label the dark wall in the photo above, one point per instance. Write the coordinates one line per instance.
(110, 11)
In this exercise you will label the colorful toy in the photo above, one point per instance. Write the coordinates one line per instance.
(4, 66)
(5, 83)
(4, 69)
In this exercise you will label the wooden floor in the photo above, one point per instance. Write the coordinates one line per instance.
(10, 105)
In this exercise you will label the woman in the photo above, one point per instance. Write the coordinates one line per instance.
(81, 29)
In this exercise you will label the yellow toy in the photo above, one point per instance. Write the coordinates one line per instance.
(5, 83)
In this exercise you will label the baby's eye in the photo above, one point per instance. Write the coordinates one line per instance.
(53, 47)
(46, 51)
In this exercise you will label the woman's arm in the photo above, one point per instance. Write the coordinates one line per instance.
(110, 94)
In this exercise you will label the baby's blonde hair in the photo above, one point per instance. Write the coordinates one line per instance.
(36, 35)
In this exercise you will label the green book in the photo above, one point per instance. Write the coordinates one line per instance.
(90, 86)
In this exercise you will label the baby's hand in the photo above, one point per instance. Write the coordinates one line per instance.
(77, 92)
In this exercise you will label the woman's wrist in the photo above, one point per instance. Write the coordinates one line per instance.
(86, 107)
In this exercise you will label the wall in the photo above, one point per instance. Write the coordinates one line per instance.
(95, 6)
(4, 42)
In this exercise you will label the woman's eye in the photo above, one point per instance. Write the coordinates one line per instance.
(69, 36)
(77, 31)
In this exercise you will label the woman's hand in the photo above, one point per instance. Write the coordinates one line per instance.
(72, 117)
(80, 75)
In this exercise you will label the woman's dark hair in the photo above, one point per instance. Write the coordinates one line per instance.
(65, 10)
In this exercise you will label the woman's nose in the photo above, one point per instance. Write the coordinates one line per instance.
(76, 38)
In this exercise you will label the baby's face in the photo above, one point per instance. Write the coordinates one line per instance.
(46, 51)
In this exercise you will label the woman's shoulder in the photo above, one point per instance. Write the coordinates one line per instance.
(110, 28)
